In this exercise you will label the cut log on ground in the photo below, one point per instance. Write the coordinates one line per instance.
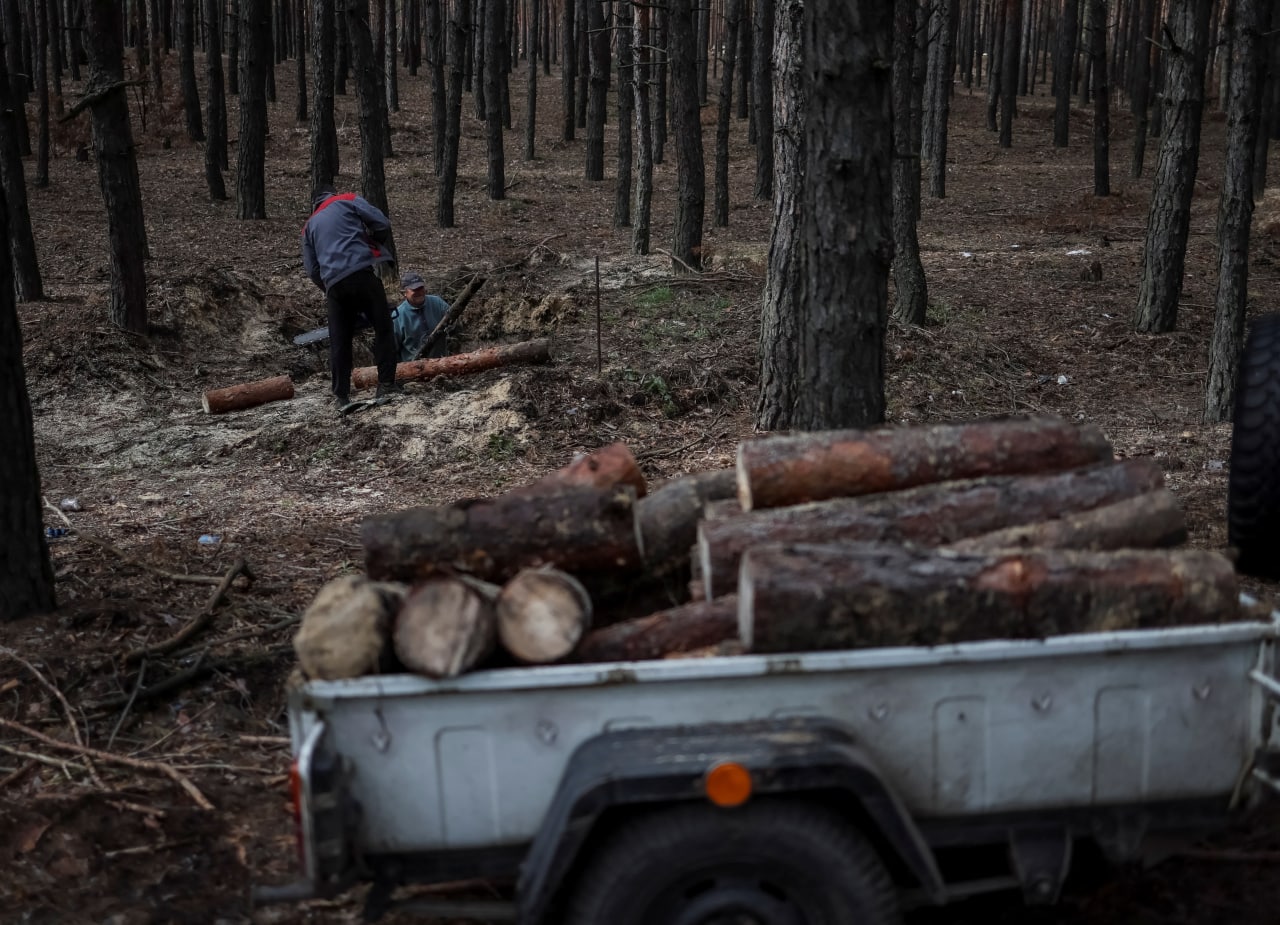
(570, 526)
(345, 632)
(442, 326)
(603, 468)
(684, 629)
(669, 517)
(777, 471)
(543, 614)
(806, 597)
(930, 515)
(247, 395)
(1148, 521)
(461, 364)
(446, 625)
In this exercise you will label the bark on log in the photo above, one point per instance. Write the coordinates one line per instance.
(461, 364)
(808, 597)
(543, 614)
(1148, 521)
(683, 629)
(345, 632)
(446, 625)
(777, 471)
(931, 515)
(603, 468)
(570, 526)
(669, 517)
(247, 395)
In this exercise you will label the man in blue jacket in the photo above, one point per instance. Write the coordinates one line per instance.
(342, 244)
(416, 317)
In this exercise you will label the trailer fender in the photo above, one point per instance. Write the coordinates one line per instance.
(669, 765)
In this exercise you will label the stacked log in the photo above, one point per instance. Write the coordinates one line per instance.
(1004, 528)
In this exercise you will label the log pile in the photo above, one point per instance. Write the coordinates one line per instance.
(1014, 528)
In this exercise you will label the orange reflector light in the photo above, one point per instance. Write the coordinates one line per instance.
(727, 784)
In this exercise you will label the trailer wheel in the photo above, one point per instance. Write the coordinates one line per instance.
(1253, 488)
(769, 863)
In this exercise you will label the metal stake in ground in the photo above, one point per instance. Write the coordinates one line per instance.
(599, 351)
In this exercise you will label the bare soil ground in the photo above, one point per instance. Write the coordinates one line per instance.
(1016, 324)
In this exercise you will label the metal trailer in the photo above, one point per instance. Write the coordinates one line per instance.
(824, 787)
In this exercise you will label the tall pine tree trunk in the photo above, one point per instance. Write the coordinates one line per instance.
(459, 24)
(1253, 18)
(301, 49)
(42, 93)
(1101, 99)
(324, 132)
(848, 213)
(1141, 95)
(494, 22)
(26, 576)
(531, 113)
(691, 180)
(598, 92)
(781, 318)
(215, 146)
(117, 168)
(435, 62)
(187, 65)
(251, 149)
(1169, 215)
(22, 242)
(911, 293)
(937, 108)
(364, 68)
(762, 96)
(569, 72)
(1009, 70)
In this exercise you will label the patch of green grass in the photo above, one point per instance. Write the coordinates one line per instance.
(502, 447)
(655, 298)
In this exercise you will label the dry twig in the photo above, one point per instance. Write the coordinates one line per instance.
(203, 619)
(110, 757)
(53, 689)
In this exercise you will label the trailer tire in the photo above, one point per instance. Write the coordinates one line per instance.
(1253, 487)
(778, 861)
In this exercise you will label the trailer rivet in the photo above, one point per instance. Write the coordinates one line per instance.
(547, 732)
(1202, 691)
(1043, 702)
(879, 712)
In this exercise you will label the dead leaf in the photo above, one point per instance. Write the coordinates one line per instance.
(29, 837)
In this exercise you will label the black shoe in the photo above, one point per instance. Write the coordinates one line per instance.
(389, 389)
(342, 400)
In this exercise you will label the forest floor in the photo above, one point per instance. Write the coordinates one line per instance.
(1017, 324)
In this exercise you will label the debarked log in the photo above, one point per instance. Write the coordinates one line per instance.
(542, 615)
(569, 526)
(777, 471)
(931, 515)
(803, 597)
(345, 631)
(683, 629)
(1147, 521)
(247, 395)
(446, 625)
(461, 364)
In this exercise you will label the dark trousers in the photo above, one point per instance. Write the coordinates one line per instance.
(359, 294)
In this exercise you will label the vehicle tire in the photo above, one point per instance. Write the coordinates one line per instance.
(1253, 488)
(767, 863)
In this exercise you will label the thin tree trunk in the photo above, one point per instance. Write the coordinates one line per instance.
(569, 72)
(324, 133)
(937, 110)
(1009, 70)
(364, 68)
(597, 96)
(662, 47)
(644, 127)
(911, 292)
(732, 27)
(531, 115)
(187, 64)
(1141, 95)
(154, 54)
(1101, 100)
(215, 147)
(762, 96)
(626, 103)
(233, 49)
(42, 94)
(435, 50)
(22, 243)
(301, 113)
